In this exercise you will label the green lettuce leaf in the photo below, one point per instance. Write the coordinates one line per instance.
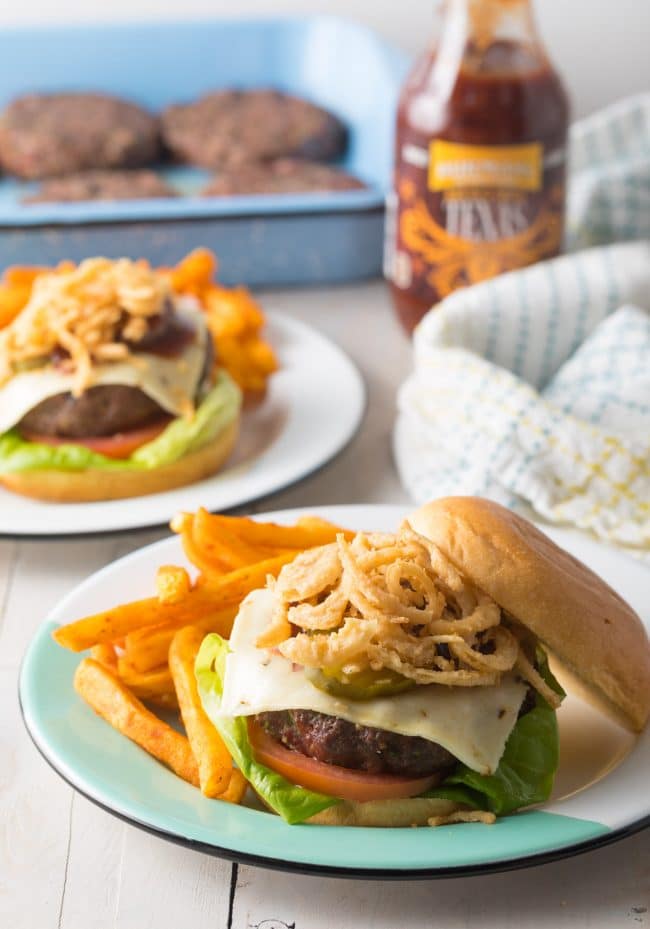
(294, 804)
(219, 408)
(527, 768)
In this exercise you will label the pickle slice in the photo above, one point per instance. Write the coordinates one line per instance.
(364, 685)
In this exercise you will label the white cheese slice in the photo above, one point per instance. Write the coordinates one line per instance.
(171, 382)
(473, 723)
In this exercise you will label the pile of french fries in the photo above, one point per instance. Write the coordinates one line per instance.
(234, 318)
(142, 653)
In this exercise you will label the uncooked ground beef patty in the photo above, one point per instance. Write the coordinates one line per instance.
(339, 742)
(229, 128)
(104, 410)
(45, 135)
(102, 185)
(282, 176)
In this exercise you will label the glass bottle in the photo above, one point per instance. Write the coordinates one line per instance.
(479, 181)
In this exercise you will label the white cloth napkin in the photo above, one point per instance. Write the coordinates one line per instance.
(534, 388)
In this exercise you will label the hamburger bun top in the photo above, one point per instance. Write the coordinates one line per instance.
(590, 631)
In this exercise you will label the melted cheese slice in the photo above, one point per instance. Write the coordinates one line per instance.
(171, 382)
(473, 723)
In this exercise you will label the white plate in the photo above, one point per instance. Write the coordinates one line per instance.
(600, 792)
(314, 406)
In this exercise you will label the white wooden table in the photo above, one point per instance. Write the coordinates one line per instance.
(66, 864)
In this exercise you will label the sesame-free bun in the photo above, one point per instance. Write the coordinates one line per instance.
(590, 631)
(415, 811)
(94, 484)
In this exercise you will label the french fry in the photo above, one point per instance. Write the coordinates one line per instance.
(105, 654)
(148, 648)
(12, 300)
(16, 288)
(316, 523)
(193, 275)
(271, 535)
(213, 547)
(172, 583)
(210, 598)
(113, 701)
(234, 792)
(164, 701)
(233, 317)
(218, 541)
(212, 756)
(121, 620)
(145, 684)
(234, 586)
(183, 523)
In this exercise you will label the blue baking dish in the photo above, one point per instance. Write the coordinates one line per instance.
(260, 240)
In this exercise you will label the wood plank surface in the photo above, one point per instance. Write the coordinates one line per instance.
(606, 888)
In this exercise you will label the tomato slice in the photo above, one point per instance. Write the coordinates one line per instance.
(329, 779)
(120, 445)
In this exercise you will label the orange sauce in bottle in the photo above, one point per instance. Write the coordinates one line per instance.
(479, 181)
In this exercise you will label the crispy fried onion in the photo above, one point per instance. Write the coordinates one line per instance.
(90, 313)
(393, 602)
(529, 672)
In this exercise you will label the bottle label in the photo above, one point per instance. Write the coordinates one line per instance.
(468, 212)
(455, 167)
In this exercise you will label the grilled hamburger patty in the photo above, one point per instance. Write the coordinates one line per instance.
(112, 408)
(338, 742)
(228, 128)
(99, 411)
(46, 135)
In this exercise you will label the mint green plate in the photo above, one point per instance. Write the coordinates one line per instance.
(600, 793)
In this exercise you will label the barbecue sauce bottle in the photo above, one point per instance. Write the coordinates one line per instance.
(479, 180)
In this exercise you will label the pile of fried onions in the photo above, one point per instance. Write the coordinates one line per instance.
(394, 602)
(90, 312)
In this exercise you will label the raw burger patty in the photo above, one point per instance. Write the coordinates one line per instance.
(286, 175)
(229, 128)
(48, 135)
(102, 185)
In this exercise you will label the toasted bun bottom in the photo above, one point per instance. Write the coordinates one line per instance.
(94, 485)
(413, 812)
(589, 629)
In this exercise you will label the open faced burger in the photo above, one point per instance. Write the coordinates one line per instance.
(108, 387)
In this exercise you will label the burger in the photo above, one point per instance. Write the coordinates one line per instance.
(404, 679)
(109, 387)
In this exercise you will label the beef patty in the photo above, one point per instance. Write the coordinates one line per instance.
(46, 135)
(102, 185)
(284, 175)
(338, 742)
(228, 128)
(111, 408)
(104, 410)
